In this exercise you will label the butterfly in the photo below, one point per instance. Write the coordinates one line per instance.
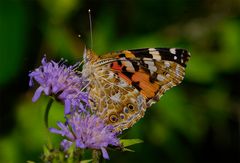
(123, 84)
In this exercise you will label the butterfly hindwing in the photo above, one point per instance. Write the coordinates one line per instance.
(113, 98)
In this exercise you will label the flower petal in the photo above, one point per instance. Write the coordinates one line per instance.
(56, 131)
(88, 131)
(37, 94)
(66, 144)
(67, 108)
(104, 153)
(30, 82)
(62, 82)
(80, 144)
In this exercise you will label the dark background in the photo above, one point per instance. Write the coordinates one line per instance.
(198, 121)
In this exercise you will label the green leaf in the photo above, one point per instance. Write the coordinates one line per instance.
(129, 142)
(127, 150)
(71, 150)
(86, 161)
(46, 151)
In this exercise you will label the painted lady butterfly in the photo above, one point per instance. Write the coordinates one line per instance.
(123, 84)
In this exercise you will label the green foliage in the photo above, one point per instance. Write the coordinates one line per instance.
(129, 142)
(13, 41)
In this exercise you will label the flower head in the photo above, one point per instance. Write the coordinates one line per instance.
(87, 131)
(61, 81)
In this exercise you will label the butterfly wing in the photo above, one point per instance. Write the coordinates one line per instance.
(129, 81)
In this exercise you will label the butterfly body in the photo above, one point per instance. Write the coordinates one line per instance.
(123, 84)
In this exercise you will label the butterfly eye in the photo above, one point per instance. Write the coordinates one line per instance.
(130, 106)
(113, 118)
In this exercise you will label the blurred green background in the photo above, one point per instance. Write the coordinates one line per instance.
(195, 122)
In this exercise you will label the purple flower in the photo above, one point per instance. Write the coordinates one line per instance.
(87, 131)
(61, 81)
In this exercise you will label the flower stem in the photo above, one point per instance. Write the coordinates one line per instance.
(47, 112)
(96, 156)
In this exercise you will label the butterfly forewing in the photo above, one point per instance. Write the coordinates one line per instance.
(123, 84)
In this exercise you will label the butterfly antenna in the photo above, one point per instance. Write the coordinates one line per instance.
(90, 25)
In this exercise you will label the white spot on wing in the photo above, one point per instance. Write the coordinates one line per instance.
(175, 58)
(156, 55)
(122, 83)
(178, 70)
(116, 97)
(149, 63)
(147, 59)
(129, 66)
(167, 64)
(152, 68)
(152, 49)
(140, 101)
(160, 77)
(135, 91)
(111, 75)
(172, 50)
